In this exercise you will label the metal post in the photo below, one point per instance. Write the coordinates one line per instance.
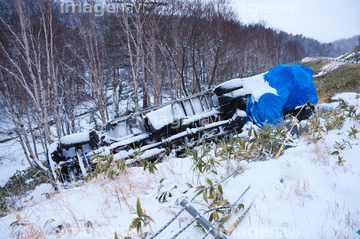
(202, 220)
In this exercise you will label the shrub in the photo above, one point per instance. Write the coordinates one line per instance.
(19, 185)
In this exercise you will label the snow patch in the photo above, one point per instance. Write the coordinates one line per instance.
(237, 93)
(254, 85)
(329, 67)
(257, 86)
(78, 138)
(350, 55)
(198, 117)
(350, 97)
(307, 59)
(231, 84)
(164, 116)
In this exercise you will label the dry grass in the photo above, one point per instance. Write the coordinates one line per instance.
(25, 227)
(303, 190)
(345, 78)
(316, 65)
(104, 194)
(320, 152)
(101, 193)
(348, 222)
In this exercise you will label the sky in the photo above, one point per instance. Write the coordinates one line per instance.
(323, 20)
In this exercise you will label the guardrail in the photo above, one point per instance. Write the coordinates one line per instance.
(339, 60)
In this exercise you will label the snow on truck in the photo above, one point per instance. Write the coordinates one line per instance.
(218, 112)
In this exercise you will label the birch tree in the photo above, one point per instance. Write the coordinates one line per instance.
(131, 13)
(92, 41)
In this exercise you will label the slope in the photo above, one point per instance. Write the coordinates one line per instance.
(308, 192)
(332, 77)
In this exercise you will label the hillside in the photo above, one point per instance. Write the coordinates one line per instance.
(57, 66)
(305, 193)
(308, 192)
(353, 55)
(332, 76)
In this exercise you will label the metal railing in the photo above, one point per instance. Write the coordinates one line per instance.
(339, 60)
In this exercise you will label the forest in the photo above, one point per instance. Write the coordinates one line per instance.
(59, 61)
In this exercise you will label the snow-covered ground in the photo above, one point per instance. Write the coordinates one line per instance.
(11, 159)
(332, 65)
(348, 56)
(329, 67)
(306, 193)
(307, 59)
(352, 55)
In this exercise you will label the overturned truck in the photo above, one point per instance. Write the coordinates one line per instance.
(213, 113)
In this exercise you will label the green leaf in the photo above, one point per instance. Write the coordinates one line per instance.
(135, 222)
(162, 180)
(14, 223)
(189, 185)
(58, 173)
(222, 203)
(239, 207)
(138, 208)
(116, 235)
(214, 216)
(209, 181)
(255, 134)
(211, 217)
(195, 154)
(138, 228)
(89, 224)
(335, 152)
(220, 189)
(198, 225)
(225, 219)
(205, 195)
(199, 188)
(148, 217)
(249, 132)
(211, 193)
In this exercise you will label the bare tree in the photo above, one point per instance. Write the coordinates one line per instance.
(36, 87)
(14, 111)
(92, 61)
(134, 41)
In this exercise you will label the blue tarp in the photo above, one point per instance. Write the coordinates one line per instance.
(294, 87)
